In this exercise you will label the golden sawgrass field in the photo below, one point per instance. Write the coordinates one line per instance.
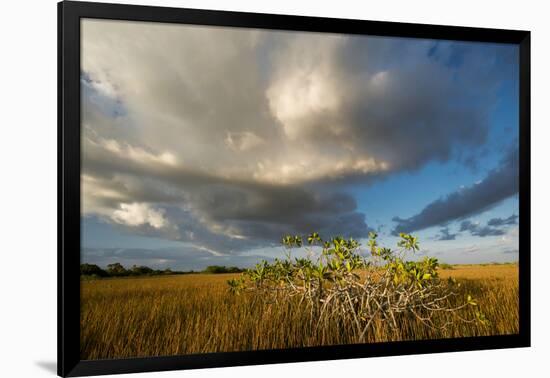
(195, 313)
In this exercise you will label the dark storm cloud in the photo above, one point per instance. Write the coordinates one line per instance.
(481, 231)
(219, 213)
(234, 216)
(229, 138)
(511, 220)
(444, 234)
(494, 227)
(406, 114)
(499, 184)
(270, 203)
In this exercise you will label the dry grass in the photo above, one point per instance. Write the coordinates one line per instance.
(174, 315)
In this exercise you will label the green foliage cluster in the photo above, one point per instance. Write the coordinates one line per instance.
(217, 269)
(359, 290)
(92, 270)
(446, 266)
(118, 270)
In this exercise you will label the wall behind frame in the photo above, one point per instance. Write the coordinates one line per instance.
(28, 154)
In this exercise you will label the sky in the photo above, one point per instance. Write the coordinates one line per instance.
(205, 145)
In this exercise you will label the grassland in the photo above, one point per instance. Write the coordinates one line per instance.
(174, 315)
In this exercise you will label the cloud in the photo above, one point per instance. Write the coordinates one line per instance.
(136, 154)
(512, 251)
(494, 227)
(499, 184)
(471, 249)
(392, 116)
(331, 106)
(512, 219)
(481, 231)
(227, 138)
(243, 141)
(186, 257)
(137, 214)
(444, 234)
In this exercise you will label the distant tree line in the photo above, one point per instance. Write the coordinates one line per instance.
(222, 269)
(118, 270)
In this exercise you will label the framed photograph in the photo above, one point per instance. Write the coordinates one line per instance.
(239, 188)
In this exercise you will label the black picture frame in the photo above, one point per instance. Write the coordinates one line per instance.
(69, 15)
